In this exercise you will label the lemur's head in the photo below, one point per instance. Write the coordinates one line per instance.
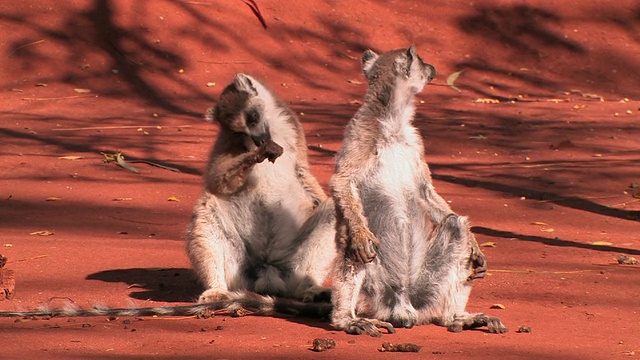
(241, 109)
(398, 68)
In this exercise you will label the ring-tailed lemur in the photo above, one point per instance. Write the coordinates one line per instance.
(404, 258)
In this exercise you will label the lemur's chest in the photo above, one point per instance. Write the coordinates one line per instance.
(394, 171)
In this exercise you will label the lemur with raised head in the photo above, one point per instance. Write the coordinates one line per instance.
(404, 257)
(261, 228)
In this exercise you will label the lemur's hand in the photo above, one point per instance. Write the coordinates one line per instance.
(363, 245)
(270, 151)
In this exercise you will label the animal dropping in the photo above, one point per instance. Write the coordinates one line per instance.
(404, 257)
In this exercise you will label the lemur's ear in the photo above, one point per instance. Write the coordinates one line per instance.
(402, 64)
(368, 58)
(245, 83)
(411, 54)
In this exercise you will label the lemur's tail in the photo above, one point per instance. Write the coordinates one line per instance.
(238, 303)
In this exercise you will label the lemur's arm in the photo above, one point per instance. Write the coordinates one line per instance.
(231, 163)
(354, 235)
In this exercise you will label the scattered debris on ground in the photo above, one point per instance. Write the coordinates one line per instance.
(320, 344)
(408, 347)
(524, 329)
(626, 260)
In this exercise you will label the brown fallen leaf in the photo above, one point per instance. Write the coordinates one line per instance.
(122, 199)
(488, 244)
(173, 198)
(119, 159)
(539, 223)
(548, 229)
(355, 82)
(451, 79)
(42, 233)
(486, 101)
(53, 198)
(71, 157)
(82, 91)
(497, 306)
(601, 243)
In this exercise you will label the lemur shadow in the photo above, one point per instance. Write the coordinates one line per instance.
(156, 284)
(552, 242)
(176, 285)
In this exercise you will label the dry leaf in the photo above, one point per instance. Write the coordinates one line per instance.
(53, 198)
(539, 223)
(548, 229)
(71, 157)
(498, 306)
(487, 101)
(119, 158)
(211, 84)
(355, 82)
(42, 233)
(488, 244)
(121, 199)
(626, 260)
(478, 137)
(82, 91)
(452, 79)
(8, 245)
(601, 243)
(173, 198)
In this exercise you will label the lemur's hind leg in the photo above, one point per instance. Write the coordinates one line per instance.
(215, 250)
(347, 286)
(315, 251)
(468, 263)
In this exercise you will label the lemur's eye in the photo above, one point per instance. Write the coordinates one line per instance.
(252, 118)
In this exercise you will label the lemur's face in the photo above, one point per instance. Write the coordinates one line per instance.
(241, 109)
(255, 125)
(421, 73)
(402, 67)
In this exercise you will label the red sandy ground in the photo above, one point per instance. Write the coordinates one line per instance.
(544, 174)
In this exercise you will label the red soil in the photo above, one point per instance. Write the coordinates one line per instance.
(543, 174)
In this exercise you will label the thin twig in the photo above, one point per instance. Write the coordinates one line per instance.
(226, 62)
(31, 258)
(256, 11)
(566, 198)
(624, 203)
(115, 127)
(24, 46)
(538, 272)
(58, 98)
(198, 3)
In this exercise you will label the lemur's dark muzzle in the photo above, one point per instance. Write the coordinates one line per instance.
(261, 139)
